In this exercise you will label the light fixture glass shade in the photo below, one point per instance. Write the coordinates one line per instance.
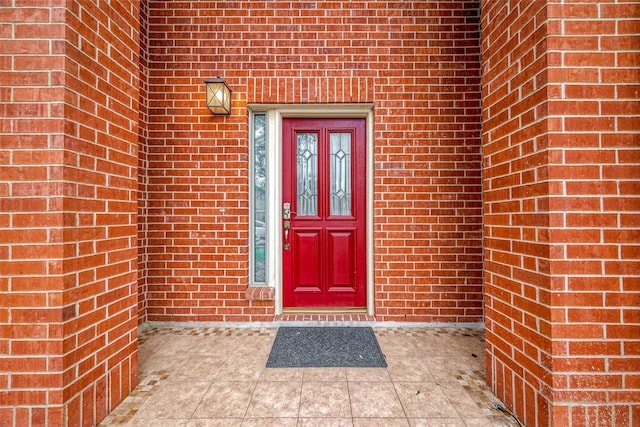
(218, 96)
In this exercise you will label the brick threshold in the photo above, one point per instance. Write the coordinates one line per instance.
(324, 317)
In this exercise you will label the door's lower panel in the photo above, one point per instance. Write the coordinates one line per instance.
(306, 252)
(341, 265)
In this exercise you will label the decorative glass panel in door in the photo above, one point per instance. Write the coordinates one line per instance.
(307, 159)
(340, 179)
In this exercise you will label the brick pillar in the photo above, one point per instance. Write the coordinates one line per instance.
(31, 218)
(143, 164)
(561, 167)
(516, 219)
(594, 175)
(68, 182)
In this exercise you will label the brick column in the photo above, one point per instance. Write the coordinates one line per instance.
(143, 163)
(561, 172)
(68, 201)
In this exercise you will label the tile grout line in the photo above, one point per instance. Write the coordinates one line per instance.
(300, 400)
(200, 401)
(404, 410)
(253, 392)
(353, 423)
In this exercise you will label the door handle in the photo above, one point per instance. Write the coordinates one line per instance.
(287, 227)
(286, 215)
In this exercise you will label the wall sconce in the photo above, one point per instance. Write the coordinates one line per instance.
(218, 96)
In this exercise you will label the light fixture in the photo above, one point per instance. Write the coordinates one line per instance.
(218, 96)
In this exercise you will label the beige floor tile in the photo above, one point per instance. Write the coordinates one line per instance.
(146, 422)
(153, 342)
(226, 400)
(325, 399)
(174, 400)
(439, 422)
(400, 346)
(178, 345)
(380, 422)
(253, 346)
(368, 374)
(148, 350)
(409, 368)
(374, 400)
(275, 399)
(470, 345)
(325, 422)
(270, 422)
(198, 368)
(424, 400)
(125, 411)
(445, 346)
(205, 377)
(490, 422)
(444, 368)
(324, 374)
(170, 364)
(214, 346)
(240, 369)
(144, 362)
(215, 422)
(461, 400)
(282, 374)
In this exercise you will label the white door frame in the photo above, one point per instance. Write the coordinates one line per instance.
(274, 115)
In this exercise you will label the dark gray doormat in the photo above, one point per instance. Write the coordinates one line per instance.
(326, 347)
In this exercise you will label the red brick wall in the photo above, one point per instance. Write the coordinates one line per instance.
(31, 216)
(417, 62)
(100, 205)
(516, 198)
(594, 171)
(143, 162)
(68, 266)
(561, 169)
(81, 156)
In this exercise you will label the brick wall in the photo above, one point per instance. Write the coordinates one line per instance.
(561, 169)
(594, 176)
(68, 194)
(143, 163)
(516, 197)
(88, 144)
(31, 216)
(100, 205)
(417, 62)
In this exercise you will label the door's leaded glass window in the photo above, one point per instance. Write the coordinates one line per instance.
(340, 156)
(307, 179)
(259, 199)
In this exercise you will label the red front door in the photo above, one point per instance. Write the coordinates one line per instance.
(324, 183)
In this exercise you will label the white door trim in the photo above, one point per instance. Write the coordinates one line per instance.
(274, 115)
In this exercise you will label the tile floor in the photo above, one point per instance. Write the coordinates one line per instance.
(203, 377)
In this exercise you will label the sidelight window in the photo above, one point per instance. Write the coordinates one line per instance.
(258, 220)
